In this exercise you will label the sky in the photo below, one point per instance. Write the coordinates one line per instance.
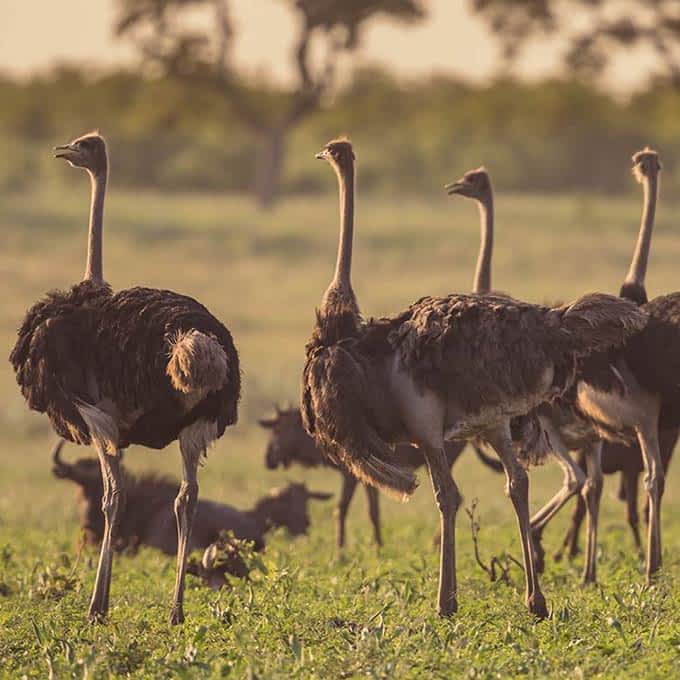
(35, 34)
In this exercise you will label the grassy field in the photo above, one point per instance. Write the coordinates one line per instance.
(312, 615)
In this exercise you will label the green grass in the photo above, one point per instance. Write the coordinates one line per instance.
(311, 615)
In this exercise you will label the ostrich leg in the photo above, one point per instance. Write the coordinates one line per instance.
(517, 488)
(570, 540)
(654, 483)
(185, 507)
(448, 499)
(630, 482)
(374, 513)
(114, 496)
(592, 492)
(349, 485)
(572, 484)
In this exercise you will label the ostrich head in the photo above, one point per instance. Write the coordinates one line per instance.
(473, 184)
(87, 152)
(339, 153)
(646, 164)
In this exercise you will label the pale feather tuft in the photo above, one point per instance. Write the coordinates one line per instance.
(198, 363)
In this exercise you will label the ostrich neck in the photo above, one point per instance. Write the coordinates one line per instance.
(638, 265)
(482, 283)
(94, 270)
(341, 285)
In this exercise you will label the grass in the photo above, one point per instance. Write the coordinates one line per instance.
(311, 614)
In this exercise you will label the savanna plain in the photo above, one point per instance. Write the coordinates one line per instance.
(305, 613)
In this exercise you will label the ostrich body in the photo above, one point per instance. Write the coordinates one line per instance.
(141, 366)
(563, 428)
(447, 368)
(568, 429)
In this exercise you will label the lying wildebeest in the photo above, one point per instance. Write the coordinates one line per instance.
(289, 443)
(148, 516)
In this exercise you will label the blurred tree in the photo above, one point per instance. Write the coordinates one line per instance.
(201, 56)
(596, 30)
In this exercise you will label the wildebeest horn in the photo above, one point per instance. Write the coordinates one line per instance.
(277, 409)
(56, 452)
(319, 495)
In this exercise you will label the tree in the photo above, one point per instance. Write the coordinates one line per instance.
(201, 57)
(596, 30)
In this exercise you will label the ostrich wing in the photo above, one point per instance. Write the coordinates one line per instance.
(341, 401)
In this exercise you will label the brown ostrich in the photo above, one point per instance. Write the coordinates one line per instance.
(476, 184)
(141, 366)
(447, 368)
(626, 458)
(572, 429)
(635, 391)
(567, 430)
(290, 443)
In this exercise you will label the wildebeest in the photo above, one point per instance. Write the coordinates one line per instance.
(148, 517)
(289, 443)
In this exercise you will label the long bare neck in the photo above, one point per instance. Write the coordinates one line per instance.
(638, 266)
(341, 285)
(94, 270)
(482, 282)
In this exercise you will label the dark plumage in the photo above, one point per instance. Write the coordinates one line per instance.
(89, 345)
(141, 366)
(483, 351)
(345, 402)
(654, 356)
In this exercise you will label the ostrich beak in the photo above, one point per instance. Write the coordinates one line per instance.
(454, 187)
(322, 155)
(65, 151)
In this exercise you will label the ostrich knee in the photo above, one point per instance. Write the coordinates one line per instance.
(185, 504)
(113, 501)
(448, 499)
(655, 484)
(517, 486)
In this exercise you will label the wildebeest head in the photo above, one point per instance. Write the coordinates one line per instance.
(287, 507)
(288, 442)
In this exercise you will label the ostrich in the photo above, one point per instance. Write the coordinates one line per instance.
(290, 443)
(640, 395)
(455, 367)
(476, 185)
(619, 456)
(568, 431)
(572, 431)
(141, 366)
